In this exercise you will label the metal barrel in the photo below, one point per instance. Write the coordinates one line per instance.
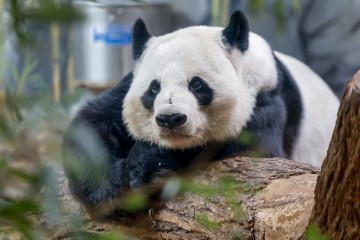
(101, 42)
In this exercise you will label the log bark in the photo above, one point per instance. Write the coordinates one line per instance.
(272, 199)
(337, 195)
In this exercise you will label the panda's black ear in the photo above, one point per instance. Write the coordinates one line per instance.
(236, 34)
(140, 36)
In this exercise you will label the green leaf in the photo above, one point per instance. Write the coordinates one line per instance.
(296, 5)
(200, 189)
(81, 235)
(237, 235)
(18, 21)
(14, 72)
(134, 202)
(8, 209)
(279, 10)
(34, 179)
(204, 221)
(55, 12)
(313, 233)
(256, 6)
(16, 213)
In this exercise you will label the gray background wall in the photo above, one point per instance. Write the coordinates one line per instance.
(323, 33)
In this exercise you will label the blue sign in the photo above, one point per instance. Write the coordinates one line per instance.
(113, 34)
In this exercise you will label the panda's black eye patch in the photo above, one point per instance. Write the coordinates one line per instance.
(148, 98)
(201, 90)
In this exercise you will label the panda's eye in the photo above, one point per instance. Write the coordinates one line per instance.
(195, 85)
(149, 96)
(201, 90)
(155, 88)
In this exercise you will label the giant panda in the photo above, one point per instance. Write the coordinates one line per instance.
(192, 91)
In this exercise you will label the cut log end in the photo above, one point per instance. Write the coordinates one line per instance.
(353, 86)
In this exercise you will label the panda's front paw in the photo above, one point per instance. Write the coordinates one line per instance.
(143, 176)
(147, 162)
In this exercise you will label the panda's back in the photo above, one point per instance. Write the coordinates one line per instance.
(319, 112)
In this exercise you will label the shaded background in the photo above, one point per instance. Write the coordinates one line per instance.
(323, 33)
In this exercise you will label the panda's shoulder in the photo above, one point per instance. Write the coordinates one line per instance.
(109, 104)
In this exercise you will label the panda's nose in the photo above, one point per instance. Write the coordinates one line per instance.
(170, 121)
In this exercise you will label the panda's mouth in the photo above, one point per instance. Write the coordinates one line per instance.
(174, 135)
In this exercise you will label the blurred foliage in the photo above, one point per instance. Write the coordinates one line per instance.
(83, 235)
(220, 10)
(313, 233)
(31, 129)
(29, 138)
(227, 187)
(15, 213)
(237, 236)
(31, 132)
(134, 201)
(209, 224)
(278, 7)
(26, 75)
(256, 6)
(20, 183)
(54, 11)
(248, 140)
(24, 11)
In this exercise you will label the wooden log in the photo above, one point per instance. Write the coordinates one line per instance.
(272, 199)
(337, 194)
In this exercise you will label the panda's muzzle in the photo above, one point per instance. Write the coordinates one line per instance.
(170, 121)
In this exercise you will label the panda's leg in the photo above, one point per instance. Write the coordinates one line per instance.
(97, 175)
(95, 148)
(147, 162)
(268, 125)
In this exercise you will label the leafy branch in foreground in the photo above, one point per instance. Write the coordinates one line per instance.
(22, 12)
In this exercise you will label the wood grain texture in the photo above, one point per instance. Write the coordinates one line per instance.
(337, 193)
(273, 201)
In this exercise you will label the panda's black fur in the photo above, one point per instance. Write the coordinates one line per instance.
(123, 162)
(133, 163)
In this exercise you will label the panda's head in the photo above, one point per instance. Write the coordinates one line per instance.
(189, 87)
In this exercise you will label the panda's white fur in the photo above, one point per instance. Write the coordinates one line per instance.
(173, 59)
(237, 77)
(192, 88)
(319, 115)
